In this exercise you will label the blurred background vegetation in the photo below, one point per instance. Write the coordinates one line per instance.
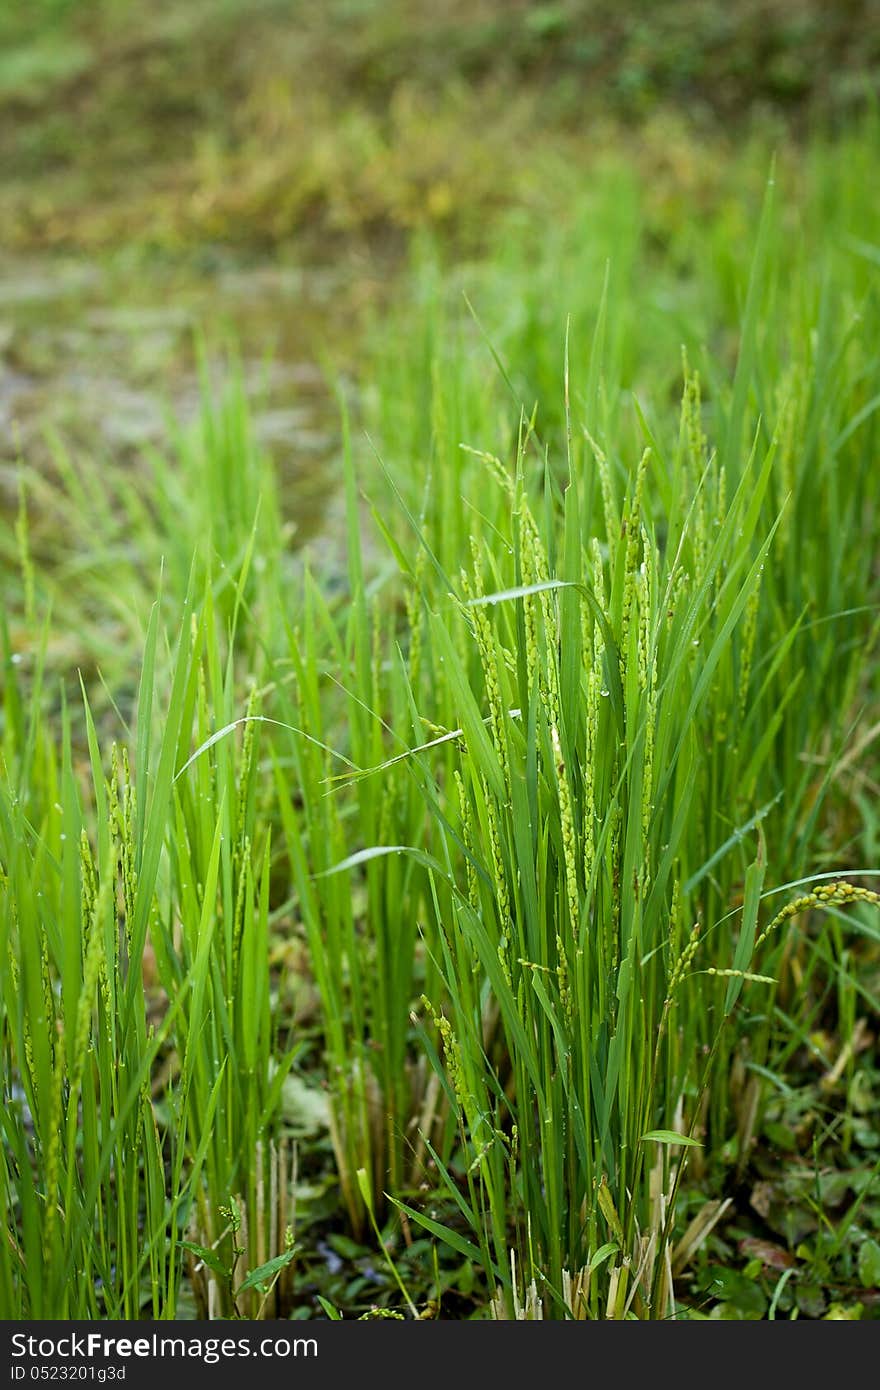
(251, 123)
(265, 167)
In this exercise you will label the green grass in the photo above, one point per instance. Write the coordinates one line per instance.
(562, 793)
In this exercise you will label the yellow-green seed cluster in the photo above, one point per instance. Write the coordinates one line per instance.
(826, 895)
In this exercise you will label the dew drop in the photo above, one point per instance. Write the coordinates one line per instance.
(16, 658)
(604, 692)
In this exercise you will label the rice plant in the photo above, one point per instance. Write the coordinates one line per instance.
(143, 1072)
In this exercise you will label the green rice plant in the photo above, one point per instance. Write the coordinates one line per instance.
(365, 934)
(76, 1042)
(232, 1063)
(587, 978)
(135, 947)
(565, 955)
(626, 672)
(804, 382)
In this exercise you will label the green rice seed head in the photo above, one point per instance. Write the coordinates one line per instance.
(540, 562)
(588, 624)
(113, 789)
(502, 896)
(740, 975)
(551, 659)
(27, 1034)
(144, 1112)
(240, 904)
(92, 965)
(598, 574)
(88, 877)
(826, 895)
(248, 743)
(49, 1006)
(488, 652)
(633, 524)
(612, 942)
(473, 887)
(594, 687)
(675, 920)
(52, 1158)
(115, 819)
(684, 961)
(127, 834)
(677, 590)
(644, 634)
(89, 903)
(692, 425)
(415, 617)
(747, 649)
(648, 777)
(609, 505)
(569, 850)
(452, 1054)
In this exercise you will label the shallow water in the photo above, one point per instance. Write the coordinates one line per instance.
(100, 354)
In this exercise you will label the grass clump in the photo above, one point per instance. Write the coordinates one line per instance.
(143, 1067)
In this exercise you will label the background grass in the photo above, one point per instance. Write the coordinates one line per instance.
(254, 123)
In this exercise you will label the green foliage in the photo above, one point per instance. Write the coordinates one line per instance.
(553, 796)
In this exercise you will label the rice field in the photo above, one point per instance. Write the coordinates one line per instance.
(473, 912)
